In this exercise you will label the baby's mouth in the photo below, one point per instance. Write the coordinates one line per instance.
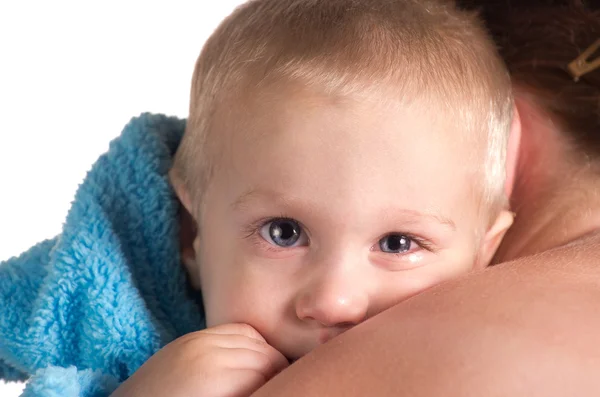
(327, 334)
(324, 336)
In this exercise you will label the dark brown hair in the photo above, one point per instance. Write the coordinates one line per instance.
(537, 40)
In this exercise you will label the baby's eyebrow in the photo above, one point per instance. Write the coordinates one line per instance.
(403, 214)
(416, 216)
(253, 194)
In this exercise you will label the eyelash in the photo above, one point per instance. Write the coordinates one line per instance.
(254, 227)
(421, 242)
(251, 231)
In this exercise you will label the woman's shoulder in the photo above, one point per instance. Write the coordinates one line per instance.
(523, 328)
(575, 261)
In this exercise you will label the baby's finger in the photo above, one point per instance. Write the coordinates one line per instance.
(251, 360)
(244, 336)
(245, 382)
(277, 359)
(235, 329)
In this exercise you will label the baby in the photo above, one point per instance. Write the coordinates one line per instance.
(340, 156)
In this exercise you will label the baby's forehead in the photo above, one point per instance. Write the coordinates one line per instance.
(304, 121)
(323, 148)
(276, 107)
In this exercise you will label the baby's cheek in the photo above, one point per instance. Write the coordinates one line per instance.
(400, 286)
(243, 298)
(396, 290)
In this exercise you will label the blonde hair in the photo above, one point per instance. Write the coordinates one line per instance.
(422, 48)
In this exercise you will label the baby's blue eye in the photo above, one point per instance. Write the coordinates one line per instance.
(283, 232)
(395, 243)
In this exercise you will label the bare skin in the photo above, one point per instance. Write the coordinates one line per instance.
(302, 295)
(527, 327)
(230, 360)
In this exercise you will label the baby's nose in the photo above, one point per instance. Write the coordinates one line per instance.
(339, 301)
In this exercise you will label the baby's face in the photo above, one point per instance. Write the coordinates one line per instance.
(323, 213)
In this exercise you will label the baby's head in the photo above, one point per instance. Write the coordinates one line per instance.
(341, 156)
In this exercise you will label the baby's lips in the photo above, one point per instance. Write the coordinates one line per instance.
(326, 334)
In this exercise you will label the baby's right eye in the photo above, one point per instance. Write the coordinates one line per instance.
(283, 232)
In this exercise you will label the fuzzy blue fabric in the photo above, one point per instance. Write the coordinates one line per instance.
(83, 311)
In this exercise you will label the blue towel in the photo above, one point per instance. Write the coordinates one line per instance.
(83, 311)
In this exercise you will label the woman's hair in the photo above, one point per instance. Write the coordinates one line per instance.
(537, 40)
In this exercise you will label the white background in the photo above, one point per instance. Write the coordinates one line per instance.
(72, 73)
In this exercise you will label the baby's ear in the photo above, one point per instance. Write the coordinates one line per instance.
(188, 229)
(512, 152)
(493, 237)
(180, 189)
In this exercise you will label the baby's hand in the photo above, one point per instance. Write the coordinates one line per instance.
(231, 360)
